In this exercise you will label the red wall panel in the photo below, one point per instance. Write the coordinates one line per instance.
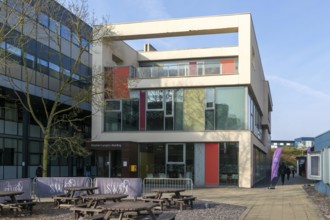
(211, 164)
(142, 110)
(120, 77)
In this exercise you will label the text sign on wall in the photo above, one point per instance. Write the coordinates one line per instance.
(129, 186)
(24, 185)
(50, 186)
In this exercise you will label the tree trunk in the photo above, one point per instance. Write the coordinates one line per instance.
(45, 154)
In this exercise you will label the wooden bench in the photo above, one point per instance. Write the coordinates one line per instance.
(64, 201)
(184, 202)
(83, 211)
(95, 217)
(21, 206)
(166, 216)
(159, 201)
(12, 206)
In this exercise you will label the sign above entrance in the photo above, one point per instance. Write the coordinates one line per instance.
(104, 145)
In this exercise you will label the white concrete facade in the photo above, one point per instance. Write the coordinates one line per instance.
(250, 75)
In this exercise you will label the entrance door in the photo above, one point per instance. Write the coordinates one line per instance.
(108, 163)
(175, 160)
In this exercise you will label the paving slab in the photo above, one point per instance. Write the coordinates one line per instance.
(287, 202)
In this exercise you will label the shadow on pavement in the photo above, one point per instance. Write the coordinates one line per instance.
(297, 180)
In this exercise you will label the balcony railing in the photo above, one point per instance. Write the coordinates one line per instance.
(185, 70)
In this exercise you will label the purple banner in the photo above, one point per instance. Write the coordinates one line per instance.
(276, 162)
(129, 186)
(24, 185)
(50, 186)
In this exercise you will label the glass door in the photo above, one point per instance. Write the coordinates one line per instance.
(108, 163)
(175, 160)
(103, 163)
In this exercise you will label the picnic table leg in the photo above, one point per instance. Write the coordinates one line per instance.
(152, 215)
(107, 216)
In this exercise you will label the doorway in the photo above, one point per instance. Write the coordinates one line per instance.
(108, 163)
(175, 160)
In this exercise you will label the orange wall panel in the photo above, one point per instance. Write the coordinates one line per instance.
(120, 82)
(116, 83)
(228, 66)
(211, 164)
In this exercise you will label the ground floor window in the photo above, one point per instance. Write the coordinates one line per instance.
(260, 164)
(173, 160)
(228, 163)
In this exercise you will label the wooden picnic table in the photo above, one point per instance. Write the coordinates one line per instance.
(73, 190)
(160, 200)
(14, 204)
(72, 196)
(128, 206)
(177, 199)
(11, 194)
(94, 199)
(91, 203)
(160, 192)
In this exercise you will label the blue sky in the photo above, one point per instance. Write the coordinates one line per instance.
(294, 43)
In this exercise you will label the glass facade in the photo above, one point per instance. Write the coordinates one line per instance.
(254, 118)
(23, 138)
(166, 160)
(121, 115)
(260, 164)
(186, 68)
(195, 109)
(228, 163)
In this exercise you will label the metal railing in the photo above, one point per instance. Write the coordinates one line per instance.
(175, 183)
(183, 70)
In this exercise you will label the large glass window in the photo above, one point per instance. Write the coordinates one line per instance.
(130, 115)
(178, 109)
(259, 165)
(155, 99)
(152, 160)
(209, 109)
(254, 118)
(112, 116)
(194, 109)
(228, 163)
(230, 108)
(121, 115)
(171, 160)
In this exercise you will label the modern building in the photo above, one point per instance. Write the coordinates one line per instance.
(318, 165)
(202, 113)
(282, 143)
(304, 142)
(50, 50)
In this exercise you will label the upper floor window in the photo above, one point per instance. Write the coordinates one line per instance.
(43, 19)
(75, 39)
(155, 99)
(54, 26)
(65, 32)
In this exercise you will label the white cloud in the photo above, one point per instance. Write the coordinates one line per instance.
(298, 87)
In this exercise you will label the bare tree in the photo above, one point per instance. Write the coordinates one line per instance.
(64, 90)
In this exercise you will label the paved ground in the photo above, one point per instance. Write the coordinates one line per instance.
(287, 202)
